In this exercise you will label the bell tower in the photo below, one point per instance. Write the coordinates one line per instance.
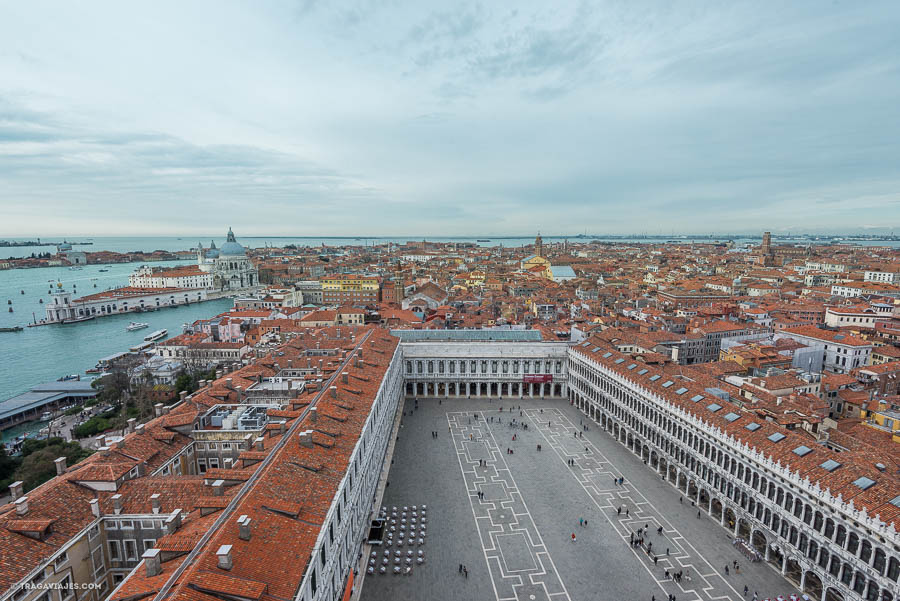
(539, 246)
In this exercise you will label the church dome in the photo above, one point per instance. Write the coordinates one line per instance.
(231, 248)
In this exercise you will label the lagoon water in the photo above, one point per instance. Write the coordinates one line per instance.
(45, 353)
(172, 244)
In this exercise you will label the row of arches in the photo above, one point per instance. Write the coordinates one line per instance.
(494, 390)
(823, 558)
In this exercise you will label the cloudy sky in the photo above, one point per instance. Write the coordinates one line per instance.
(418, 118)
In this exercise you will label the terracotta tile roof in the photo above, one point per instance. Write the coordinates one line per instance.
(839, 482)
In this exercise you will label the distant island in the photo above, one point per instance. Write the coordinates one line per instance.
(12, 243)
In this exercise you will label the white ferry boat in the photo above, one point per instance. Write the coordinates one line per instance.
(136, 325)
(137, 348)
(154, 336)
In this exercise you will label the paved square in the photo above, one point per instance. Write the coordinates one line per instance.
(515, 538)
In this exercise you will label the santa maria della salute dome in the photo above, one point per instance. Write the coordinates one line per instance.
(230, 266)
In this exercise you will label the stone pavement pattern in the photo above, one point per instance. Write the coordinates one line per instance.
(516, 541)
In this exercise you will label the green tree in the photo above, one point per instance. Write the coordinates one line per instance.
(185, 381)
(38, 466)
(8, 466)
(91, 427)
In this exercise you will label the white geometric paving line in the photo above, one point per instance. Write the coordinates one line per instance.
(518, 561)
(595, 473)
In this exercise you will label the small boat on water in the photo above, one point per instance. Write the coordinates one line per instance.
(78, 319)
(12, 329)
(74, 268)
(154, 336)
(103, 270)
(141, 347)
(482, 241)
(136, 325)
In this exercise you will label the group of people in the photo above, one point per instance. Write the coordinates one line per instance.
(735, 566)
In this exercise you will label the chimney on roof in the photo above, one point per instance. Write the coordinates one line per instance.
(104, 450)
(95, 507)
(139, 428)
(154, 502)
(60, 463)
(345, 378)
(359, 353)
(308, 362)
(306, 439)
(170, 525)
(282, 426)
(22, 505)
(219, 373)
(158, 409)
(117, 503)
(290, 364)
(313, 414)
(228, 462)
(130, 427)
(334, 392)
(228, 382)
(260, 443)
(201, 384)
(173, 522)
(218, 488)
(152, 562)
(15, 489)
(224, 556)
(182, 395)
(244, 527)
(239, 390)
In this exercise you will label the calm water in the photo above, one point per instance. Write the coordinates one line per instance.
(186, 243)
(45, 353)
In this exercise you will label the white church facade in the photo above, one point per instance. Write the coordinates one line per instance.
(229, 266)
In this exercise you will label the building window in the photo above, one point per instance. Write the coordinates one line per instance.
(130, 548)
(453, 367)
(66, 591)
(484, 367)
(114, 551)
(431, 367)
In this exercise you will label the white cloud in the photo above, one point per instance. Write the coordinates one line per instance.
(405, 118)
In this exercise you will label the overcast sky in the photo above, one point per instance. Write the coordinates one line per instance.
(416, 118)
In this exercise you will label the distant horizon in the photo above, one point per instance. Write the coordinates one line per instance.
(582, 235)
